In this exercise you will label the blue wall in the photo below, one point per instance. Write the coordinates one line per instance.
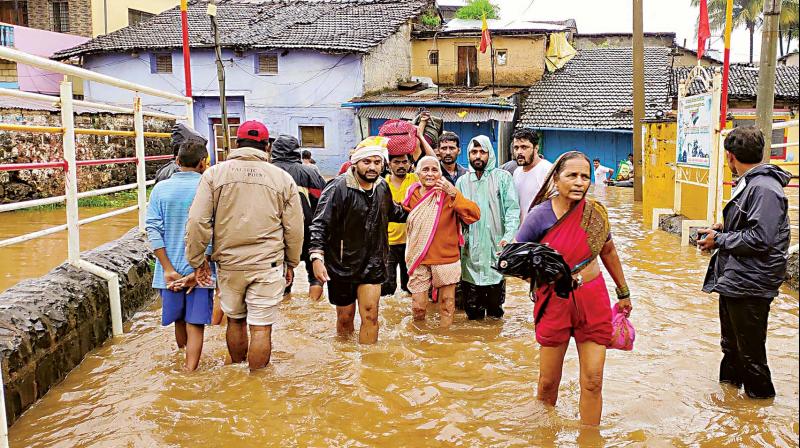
(609, 147)
(466, 131)
(308, 90)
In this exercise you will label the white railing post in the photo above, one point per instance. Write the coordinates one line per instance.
(3, 419)
(71, 174)
(138, 128)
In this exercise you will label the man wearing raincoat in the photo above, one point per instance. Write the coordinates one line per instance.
(483, 288)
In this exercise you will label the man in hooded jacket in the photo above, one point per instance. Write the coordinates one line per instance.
(349, 242)
(287, 156)
(483, 288)
(180, 134)
(750, 263)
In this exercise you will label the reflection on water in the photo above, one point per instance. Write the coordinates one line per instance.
(470, 386)
(37, 257)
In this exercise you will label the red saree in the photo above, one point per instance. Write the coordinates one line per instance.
(579, 237)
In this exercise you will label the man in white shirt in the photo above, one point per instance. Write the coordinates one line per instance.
(532, 170)
(602, 173)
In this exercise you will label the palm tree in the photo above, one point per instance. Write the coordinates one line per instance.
(789, 23)
(748, 14)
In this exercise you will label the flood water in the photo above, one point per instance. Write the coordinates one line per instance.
(470, 386)
(37, 257)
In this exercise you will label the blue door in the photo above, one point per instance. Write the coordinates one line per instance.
(609, 147)
(466, 131)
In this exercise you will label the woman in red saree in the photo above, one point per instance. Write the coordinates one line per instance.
(562, 217)
(433, 239)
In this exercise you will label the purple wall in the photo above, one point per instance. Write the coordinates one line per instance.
(41, 43)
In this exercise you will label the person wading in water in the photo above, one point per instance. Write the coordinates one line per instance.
(349, 241)
(437, 210)
(578, 228)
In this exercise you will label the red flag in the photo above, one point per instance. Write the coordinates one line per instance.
(486, 38)
(703, 30)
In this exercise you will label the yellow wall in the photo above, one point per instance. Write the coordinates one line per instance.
(525, 63)
(118, 12)
(659, 180)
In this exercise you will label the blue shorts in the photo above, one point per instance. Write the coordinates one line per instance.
(193, 308)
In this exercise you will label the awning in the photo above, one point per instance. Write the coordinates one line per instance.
(448, 114)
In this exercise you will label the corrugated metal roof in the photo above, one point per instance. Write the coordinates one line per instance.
(448, 114)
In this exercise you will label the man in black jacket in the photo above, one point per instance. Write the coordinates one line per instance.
(286, 155)
(180, 134)
(750, 263)
(349, 242)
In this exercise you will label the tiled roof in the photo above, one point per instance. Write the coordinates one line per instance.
(595, 91)
(343, 26)
(743, 82)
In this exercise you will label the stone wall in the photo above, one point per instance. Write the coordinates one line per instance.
(24, 147)
(48, 324)
(40, 16)
(389, 62)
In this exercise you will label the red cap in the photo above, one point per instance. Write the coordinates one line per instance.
(402, 136)
(253, 130)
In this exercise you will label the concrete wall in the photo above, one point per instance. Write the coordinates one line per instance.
(525, 64)
(389, 62)
(47, 325)
(19, 147)
(111, 15)
(308, 89)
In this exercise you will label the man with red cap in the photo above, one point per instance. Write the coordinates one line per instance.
(256, 245)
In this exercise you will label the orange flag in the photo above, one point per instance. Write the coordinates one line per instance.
(486, 38)
(703, 30)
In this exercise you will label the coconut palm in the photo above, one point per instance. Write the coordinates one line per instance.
(748, 14)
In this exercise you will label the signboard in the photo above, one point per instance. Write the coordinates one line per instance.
(695, 130)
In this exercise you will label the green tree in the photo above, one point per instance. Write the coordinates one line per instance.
(748, 14)
(474, 9)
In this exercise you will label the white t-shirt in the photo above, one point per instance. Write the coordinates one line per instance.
(529, 183)
(600, 174)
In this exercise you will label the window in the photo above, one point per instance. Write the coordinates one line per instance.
(61, 17)
(161, 63)
(15, 13)
(312, 136)
(136, 17)
(501, 57)
(433, 57)
(267, 64)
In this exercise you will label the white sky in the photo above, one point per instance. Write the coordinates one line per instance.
(598, 16)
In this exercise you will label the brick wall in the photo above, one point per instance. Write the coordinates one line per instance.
(8, 71)
(40, 15)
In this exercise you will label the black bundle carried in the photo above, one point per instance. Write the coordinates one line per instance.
(538, 262)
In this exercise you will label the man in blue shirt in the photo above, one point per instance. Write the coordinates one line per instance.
(184, 303)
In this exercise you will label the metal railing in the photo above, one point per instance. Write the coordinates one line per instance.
(69, 166)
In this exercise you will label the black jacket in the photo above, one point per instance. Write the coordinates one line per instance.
(351, 229)
(180, 134)
(753, 245)
(286, 156)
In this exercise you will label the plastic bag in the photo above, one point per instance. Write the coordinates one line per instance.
(623, 334)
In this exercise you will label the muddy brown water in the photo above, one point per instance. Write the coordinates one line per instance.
(470, 386)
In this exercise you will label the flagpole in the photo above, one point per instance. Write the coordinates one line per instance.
(491, 51)
(726, 67)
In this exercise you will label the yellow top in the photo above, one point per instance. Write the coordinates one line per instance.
(397, 231)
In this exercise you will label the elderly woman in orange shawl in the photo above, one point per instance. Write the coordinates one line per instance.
(433, 239)
(562, 217)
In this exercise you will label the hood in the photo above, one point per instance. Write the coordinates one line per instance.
(286, 149)
(485, 143)
(182, 134)
(248, 153)
(767, 169)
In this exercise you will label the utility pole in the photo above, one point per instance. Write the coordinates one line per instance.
(212, 12)
(638, 98)
(765, 100)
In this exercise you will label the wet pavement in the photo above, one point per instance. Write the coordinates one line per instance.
(470, 386)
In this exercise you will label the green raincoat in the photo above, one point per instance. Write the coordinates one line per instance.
(497, 198)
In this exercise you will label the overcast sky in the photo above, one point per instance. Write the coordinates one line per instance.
(598, 16)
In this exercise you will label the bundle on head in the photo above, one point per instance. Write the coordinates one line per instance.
(537, 262)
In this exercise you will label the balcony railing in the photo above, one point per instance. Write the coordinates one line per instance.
(6, 35)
